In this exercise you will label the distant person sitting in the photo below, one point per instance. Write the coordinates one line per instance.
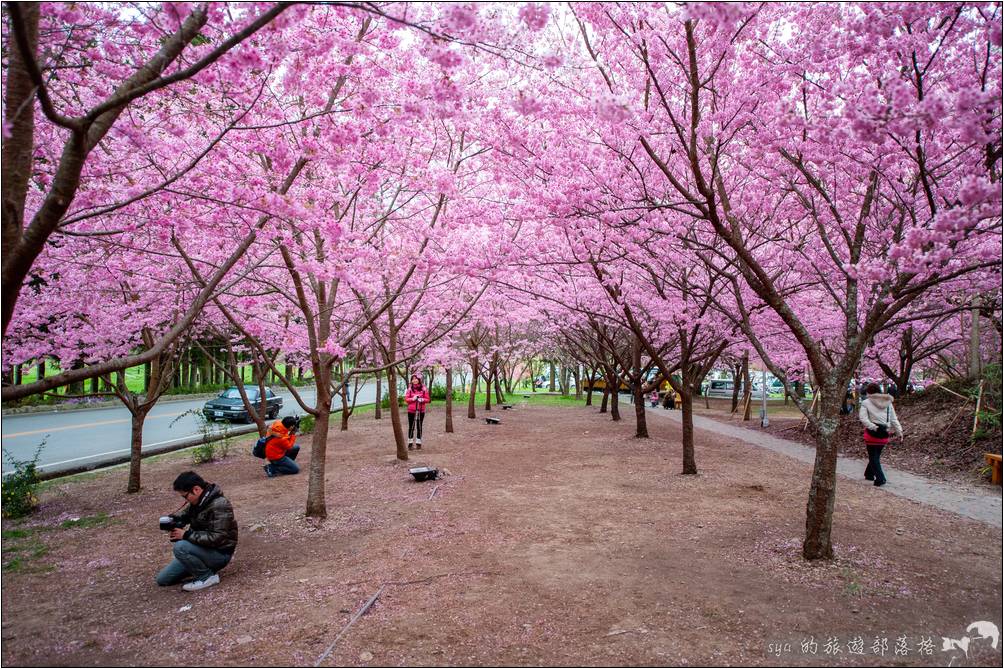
(847, 407)
(281, 449)
(208, 545)
(654, 398)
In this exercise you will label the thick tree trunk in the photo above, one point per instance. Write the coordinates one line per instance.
(550, 385)
(449, 400)
(395, 415)
(605, 400)
(378, 409)
(578, 383)
(136, 448)
(687, 418)
(316, 506)
(18, 148)
(589, 392)
(823, 487)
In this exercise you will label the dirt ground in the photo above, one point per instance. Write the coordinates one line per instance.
(937, 426)
(556, 538)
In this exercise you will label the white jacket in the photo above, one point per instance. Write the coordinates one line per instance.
(877, 409)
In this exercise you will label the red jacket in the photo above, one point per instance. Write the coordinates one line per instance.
(412, 397)
(281, 441)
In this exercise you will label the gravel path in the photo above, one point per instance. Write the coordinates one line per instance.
(967, 501)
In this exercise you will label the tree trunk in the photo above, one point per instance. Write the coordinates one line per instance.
(578, 383)
(18, 372)
(605, 401)
(488, 384)
(136, 447)
(641, 431)
(499, 395)
(475, 375)
(736, 382)
(823, 488)
(449, 400)
(18, 147)
(550, 386)
(377, 410)
(747, 388)
(395, 414)
(316, 506)
(687, 419)
(589, 392)
(615, 408)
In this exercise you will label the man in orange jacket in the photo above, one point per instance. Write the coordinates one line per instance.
(281, 449)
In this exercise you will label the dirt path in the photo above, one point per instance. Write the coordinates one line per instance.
(978, 503)
(557, 539)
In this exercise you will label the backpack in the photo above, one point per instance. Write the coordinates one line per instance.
(258, 450)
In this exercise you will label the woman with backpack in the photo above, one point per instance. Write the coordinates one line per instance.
(878, 416)
(417, 398)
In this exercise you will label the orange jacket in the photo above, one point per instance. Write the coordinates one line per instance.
(281, 441)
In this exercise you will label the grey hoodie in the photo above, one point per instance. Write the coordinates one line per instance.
(877, 410)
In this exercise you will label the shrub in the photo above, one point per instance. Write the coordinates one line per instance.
(438, 392)
(307, 424)
(18, 495)
(217, 444)
(210, 451)
(385, 403)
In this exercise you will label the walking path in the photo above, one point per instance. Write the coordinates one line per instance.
(965, 501)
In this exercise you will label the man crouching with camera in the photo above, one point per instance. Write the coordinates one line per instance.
(208, 544)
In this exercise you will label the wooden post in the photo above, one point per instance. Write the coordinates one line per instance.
(976, 414)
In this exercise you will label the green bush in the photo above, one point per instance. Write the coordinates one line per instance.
(18, 495)
(385, 403)
(438, 392)
(210, 451)
(307, 424)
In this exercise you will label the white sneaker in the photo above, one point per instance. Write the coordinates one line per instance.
(201, 585)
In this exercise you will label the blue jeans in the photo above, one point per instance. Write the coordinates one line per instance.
(286, 465)
(192, 560)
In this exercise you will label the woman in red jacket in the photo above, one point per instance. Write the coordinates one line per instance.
(417, 397)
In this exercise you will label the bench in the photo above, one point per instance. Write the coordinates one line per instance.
(994, 461)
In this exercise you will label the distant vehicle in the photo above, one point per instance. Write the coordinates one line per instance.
(721, 388)
(228, 405)
(601, 383)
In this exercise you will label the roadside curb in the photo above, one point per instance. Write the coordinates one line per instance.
(167, 448)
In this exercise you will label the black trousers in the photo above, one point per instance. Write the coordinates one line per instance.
(874, 468)
(412, 421)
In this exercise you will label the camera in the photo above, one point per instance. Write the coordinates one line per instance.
(295, 420)
(168, 523)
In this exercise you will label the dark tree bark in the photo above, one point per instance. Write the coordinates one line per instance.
(449, 400)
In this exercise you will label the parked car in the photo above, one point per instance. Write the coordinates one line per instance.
(228, 405)
(720, 388)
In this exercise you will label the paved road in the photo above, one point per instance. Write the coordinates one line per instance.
(86, 437)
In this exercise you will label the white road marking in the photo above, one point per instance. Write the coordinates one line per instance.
(83, 425)
(121, 450)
